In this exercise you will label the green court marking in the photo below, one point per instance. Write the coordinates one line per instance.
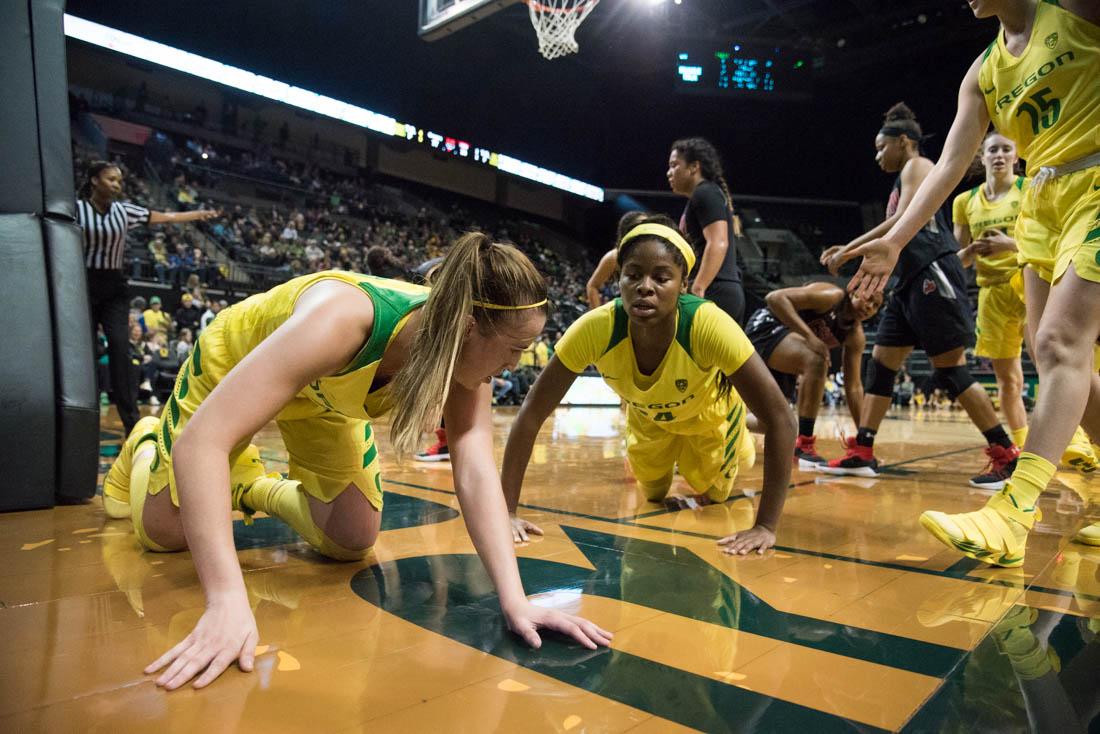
(449, 595)
(958, 570)
(400, 511)
(983, 694)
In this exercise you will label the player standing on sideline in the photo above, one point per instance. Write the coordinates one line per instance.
(1039, 83)
(928, 308)
(708, 223)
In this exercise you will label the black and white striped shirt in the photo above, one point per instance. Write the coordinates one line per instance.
(105, 234)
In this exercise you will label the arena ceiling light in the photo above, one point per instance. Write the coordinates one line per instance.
(231, 76)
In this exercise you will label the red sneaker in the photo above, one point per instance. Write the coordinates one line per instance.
(1002, 462)
(858, 461)
(437, 451)
(805, 453)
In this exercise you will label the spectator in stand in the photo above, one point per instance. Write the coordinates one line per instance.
(137, 314)
(155, 318)
(314, 254)
(185, 194)
(184, 344)
(290, 231)
(158, 258)
(213, 309)
(188, 315)
(203, 267)
(180, 264)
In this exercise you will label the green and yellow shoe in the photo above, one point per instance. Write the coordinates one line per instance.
(995, 534)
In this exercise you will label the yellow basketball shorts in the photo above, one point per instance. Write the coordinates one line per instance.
(1001, 319)
(708, 459)
(1060, 225)
(328, 451)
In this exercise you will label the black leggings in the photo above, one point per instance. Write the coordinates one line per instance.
(729, 296)
(111, 308)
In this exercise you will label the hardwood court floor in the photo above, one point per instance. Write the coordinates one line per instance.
(858, 620)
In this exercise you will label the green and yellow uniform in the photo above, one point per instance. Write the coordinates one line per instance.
(326, 427)
(674, 416)
(1047, 100)
(1001, 311)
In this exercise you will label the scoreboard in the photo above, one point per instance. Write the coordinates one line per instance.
(739, 70)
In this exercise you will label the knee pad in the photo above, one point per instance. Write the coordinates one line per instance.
(880, 379)
(955, 379)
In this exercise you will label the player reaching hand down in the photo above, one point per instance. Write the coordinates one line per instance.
(324, 355)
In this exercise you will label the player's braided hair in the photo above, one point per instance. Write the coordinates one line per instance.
(701, 151)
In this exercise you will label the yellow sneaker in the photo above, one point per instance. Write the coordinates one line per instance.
(995, 534)
(1079, 454)
(1089, 535)
(1016, 641)
(116, 485)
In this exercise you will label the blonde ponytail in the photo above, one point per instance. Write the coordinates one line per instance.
(475, 271)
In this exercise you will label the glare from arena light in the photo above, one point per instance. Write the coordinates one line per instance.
(231, 76)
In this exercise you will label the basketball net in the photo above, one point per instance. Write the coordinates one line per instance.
(555, 23)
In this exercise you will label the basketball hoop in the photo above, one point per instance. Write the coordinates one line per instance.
(555, 23)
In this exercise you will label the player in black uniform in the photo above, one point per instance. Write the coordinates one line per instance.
(708, 223)
(927, 307)
(795, 335)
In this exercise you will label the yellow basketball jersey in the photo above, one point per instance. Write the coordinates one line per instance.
(975, 212)
(1048, 98)
(246, 324)
(682, 393)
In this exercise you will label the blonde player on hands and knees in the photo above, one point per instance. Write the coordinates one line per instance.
(323, 355)
(927, 308)
(985, 217)
(687, 373)
(1038, 83)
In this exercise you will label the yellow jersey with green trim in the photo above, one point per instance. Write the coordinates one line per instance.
(1048, 98)
(682, 393)
(244, 325)
(971, 209)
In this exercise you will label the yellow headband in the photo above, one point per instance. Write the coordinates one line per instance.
(665, 233)
(499, 307)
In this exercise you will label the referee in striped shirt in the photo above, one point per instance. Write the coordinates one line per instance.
(105, 222)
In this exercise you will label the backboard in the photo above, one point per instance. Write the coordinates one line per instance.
(439, 18)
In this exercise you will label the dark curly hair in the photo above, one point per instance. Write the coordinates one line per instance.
(701, 151)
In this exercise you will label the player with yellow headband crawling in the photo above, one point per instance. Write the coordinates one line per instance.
(323, 355)
(686, 372)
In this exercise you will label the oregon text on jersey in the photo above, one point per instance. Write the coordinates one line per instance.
(1033, 77)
